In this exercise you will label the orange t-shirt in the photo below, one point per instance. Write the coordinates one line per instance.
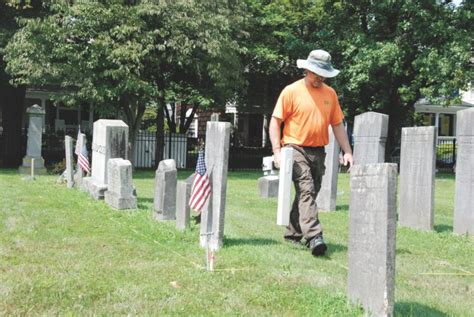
(307, 113)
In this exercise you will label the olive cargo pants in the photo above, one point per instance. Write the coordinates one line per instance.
(308, 170)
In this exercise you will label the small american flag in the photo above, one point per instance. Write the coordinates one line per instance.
(81, 152)
(83, 160)
(201, 189)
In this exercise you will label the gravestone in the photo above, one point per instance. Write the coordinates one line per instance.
(284, 188)
(215, 116)
(79, 175)
(183, 193)
(33, 145)
(268, 184)
(217, 161)
(110, 140)
(463, 222)
(69, 161)
(326, 200)
(372, 228)
(417, 176)
(370, 135)
(165, 190)
(120, 193)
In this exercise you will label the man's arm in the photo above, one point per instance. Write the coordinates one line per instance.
(274, 130)
(341, 137)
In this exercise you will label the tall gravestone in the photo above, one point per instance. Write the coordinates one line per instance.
(68, 144)
(110, 140)
(417, 175)
(463, 222)
(119, 193)
(166, 177)
(183, 194)
(217, 161)
(370, 136)
(284, 186)
(33, 146)
(326, 200)
(372, 228)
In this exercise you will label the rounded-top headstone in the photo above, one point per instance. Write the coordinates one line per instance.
(35, 109)
(167, 165)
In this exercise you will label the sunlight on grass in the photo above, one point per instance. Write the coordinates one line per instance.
(63, 253)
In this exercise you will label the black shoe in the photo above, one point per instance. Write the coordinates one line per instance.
(294, 242)
(317, 245)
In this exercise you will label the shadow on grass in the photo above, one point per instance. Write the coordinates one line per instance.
(443, 228)
(335, 248)
(416, 309)
(144, 203)
(342, 207)
(230, 242)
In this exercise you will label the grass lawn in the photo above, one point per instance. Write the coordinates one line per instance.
(62, 253)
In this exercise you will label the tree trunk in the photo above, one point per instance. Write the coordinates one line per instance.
(189, 119)
(160, 131)
(12, 111)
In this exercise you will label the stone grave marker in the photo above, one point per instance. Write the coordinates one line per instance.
(268, 184)
(183, 211)
(370, 135)
(217, 161)
(120, 193)
(326, 200)
(417, 176)
(372, 228)
(215, 116)
(166, 178)
(284, 188)
(68, 145)
(463, 222)
(33, 145)
(110, 140)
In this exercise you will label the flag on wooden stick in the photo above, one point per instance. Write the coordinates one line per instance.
(201, 189)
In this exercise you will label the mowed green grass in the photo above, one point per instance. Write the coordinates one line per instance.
(62, 253)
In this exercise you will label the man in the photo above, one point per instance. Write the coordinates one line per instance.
(307, 108)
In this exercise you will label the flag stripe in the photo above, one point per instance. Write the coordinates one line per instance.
(201, 189)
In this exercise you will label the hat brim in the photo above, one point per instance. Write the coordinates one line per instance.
(326, 73)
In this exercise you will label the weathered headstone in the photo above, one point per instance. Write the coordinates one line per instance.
(372, 228)
(183, 212)
(268, 184)
(119, 193)
(326, 200)
(463, 222)
(33, 146)
(370, 135)
(217, 161)
(110, 140)
(417, 175)
(165, 190)
(215, 116)
(284, 188)
(69, 161)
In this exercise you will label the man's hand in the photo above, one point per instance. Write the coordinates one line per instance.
(276, 158)
(347, 158)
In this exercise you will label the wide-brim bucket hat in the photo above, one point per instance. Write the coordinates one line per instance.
(319, 62)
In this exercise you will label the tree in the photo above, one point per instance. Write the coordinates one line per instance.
(125, 56)
(390, 52)
(11, 97)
